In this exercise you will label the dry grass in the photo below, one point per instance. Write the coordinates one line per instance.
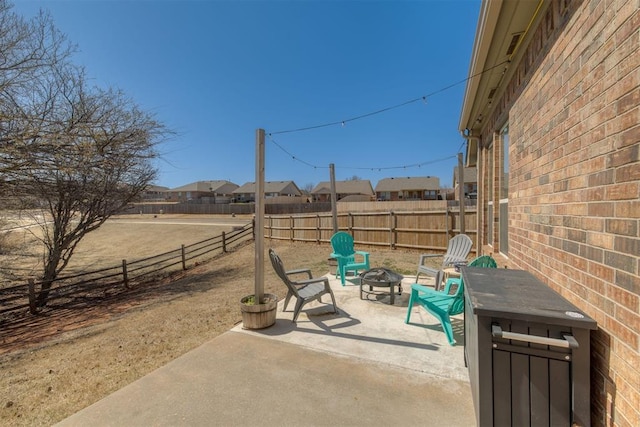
(116, 342)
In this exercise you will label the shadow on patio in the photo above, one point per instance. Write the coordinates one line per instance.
(362, 366)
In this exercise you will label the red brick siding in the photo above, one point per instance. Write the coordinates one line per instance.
(574, 210)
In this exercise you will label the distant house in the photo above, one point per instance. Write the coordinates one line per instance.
(280, 189)
(470, 183)
(410, 188)
(220, 191)
(155, 193)
(352, 190)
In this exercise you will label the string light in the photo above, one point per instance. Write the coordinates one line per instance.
(373, 169)
(292, 156)
(393, 107)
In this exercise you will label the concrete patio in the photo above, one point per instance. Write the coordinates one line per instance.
(362, 366)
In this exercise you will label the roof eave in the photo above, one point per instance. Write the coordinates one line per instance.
(487, 19)
(498, 23)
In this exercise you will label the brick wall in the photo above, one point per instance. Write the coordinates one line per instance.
(574, 192)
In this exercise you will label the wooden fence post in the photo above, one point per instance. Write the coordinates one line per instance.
(184, 261)
(224, 243)
(393, 224)
(265, 227)
(32, 297)
(125, 276)
(318, 231)
(446, 223)
(454, 223)
(291, 228)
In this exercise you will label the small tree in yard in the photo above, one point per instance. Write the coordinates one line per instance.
(77, 155)
(89, 159)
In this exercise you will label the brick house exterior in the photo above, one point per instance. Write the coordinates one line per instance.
(555, 135)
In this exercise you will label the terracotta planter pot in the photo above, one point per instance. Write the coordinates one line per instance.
(259, 316)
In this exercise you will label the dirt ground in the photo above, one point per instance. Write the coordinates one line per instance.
(69, 357)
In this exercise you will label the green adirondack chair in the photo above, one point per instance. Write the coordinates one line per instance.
(348, 259)
(448, 302)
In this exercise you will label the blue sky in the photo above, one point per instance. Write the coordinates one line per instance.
(215, 71)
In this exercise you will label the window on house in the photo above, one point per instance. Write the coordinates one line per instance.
(430, 194)
(384, 195)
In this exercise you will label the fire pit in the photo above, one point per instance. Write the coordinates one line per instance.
(381, 277)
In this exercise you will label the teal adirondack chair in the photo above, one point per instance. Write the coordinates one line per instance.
(348, 259)
(448, 302)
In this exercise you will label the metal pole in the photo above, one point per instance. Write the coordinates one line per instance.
(259, 229)
(334, 204)
(461, 192)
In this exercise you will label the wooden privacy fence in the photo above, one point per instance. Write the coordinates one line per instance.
(126, 274)
(226, 208)
(428, 230)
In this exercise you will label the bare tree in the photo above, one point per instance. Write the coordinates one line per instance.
(29, 51)
(77, 154)
(28, 48)
(308, 187)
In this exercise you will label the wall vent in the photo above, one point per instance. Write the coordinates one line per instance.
(514, 43)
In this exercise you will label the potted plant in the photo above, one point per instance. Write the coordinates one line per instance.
(258, 315)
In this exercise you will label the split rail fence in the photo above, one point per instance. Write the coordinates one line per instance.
(125, 275)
